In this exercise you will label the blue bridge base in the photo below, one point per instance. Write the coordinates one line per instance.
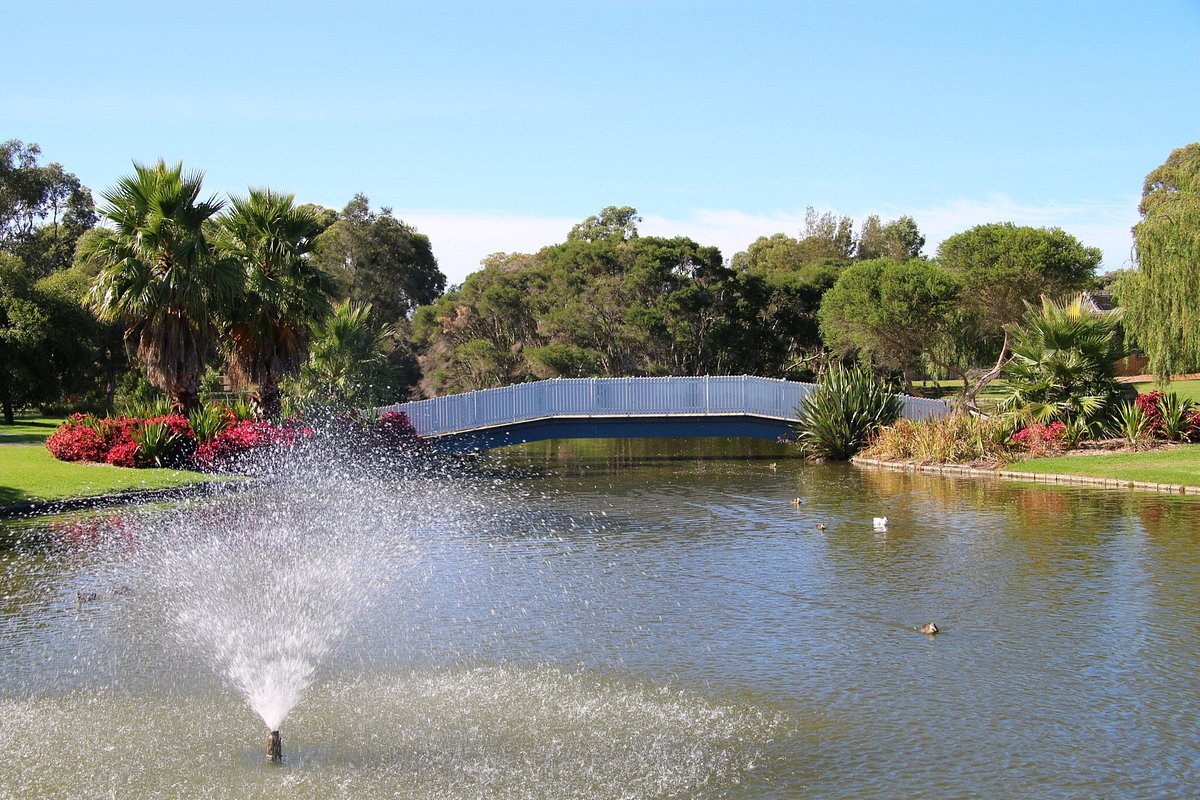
(674, 426)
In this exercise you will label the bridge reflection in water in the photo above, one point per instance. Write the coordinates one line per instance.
(608, 408)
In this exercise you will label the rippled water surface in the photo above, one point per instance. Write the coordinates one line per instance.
(638, 619)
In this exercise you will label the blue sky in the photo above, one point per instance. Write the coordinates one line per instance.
(497, 125)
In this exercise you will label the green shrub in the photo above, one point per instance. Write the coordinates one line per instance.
(146, 408)
(155, 441)
(1132, 424)
(210, 421)
(1063, 360)
(1175, 417)
(843, 412)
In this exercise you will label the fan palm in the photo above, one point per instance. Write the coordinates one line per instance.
(159, 277)
(1063, 361)
(348, 357)
(284, 293)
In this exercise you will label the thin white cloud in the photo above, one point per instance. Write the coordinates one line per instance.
(461, 240)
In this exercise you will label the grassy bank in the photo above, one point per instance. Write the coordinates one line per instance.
(1189, 389)
(29, 473)
(1178, 465)
(29, 430)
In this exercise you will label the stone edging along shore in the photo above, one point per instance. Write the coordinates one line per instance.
(1028, 477)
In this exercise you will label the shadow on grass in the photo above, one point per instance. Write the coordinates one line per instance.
(23, 438)
(9, 495)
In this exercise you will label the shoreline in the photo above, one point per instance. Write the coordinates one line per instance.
(962, 470)
(26, 509)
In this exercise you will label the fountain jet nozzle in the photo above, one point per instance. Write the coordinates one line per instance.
(274, 748)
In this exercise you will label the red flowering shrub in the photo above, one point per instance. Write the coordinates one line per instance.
(83, 437)
(124, 454)
(78, 439)
(239, 440)
(1149, 404)
(395, 429)
(169, 440)
(1040, 439)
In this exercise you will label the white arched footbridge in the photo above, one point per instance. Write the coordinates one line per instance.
(606, 408)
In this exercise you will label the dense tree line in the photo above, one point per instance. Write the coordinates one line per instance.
(610, 302)
(301, 301)
(276, 296)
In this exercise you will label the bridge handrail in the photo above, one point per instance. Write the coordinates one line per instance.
(622, 397)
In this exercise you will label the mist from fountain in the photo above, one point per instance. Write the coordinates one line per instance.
(266, 585)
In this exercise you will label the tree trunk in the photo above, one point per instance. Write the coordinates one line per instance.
(986, 378)
(185, 400)
(267, 401)
(6, 399)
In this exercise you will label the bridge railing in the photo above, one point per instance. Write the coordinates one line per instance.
(622, 397)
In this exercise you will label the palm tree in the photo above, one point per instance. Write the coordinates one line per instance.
(159, 277)
(348, 358)
(1063, 361)
(266, 330)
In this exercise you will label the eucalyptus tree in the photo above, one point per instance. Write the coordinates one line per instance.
(380, 261)
(43, 209)
(159, 275)
(1162, 296)
(266, 326)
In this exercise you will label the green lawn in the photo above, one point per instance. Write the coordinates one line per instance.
(29, 430)
(1179, 465)
(30, 473)
(1188, 389)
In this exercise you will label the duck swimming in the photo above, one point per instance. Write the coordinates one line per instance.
(929, 629)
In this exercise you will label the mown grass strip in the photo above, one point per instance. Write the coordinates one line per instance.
(1177, 465)
(29, 430)
(1189, 389)
(30, 473)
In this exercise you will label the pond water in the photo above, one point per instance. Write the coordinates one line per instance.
(643, 619)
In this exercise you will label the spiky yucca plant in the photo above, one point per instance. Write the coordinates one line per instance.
(842, 413)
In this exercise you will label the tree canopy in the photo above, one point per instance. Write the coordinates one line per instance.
(380, 261)
(891, 312)
(611, 302)
(1002, 266)
(1161, 296)
(43, 209)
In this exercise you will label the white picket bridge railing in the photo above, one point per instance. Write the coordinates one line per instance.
(741, 395)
